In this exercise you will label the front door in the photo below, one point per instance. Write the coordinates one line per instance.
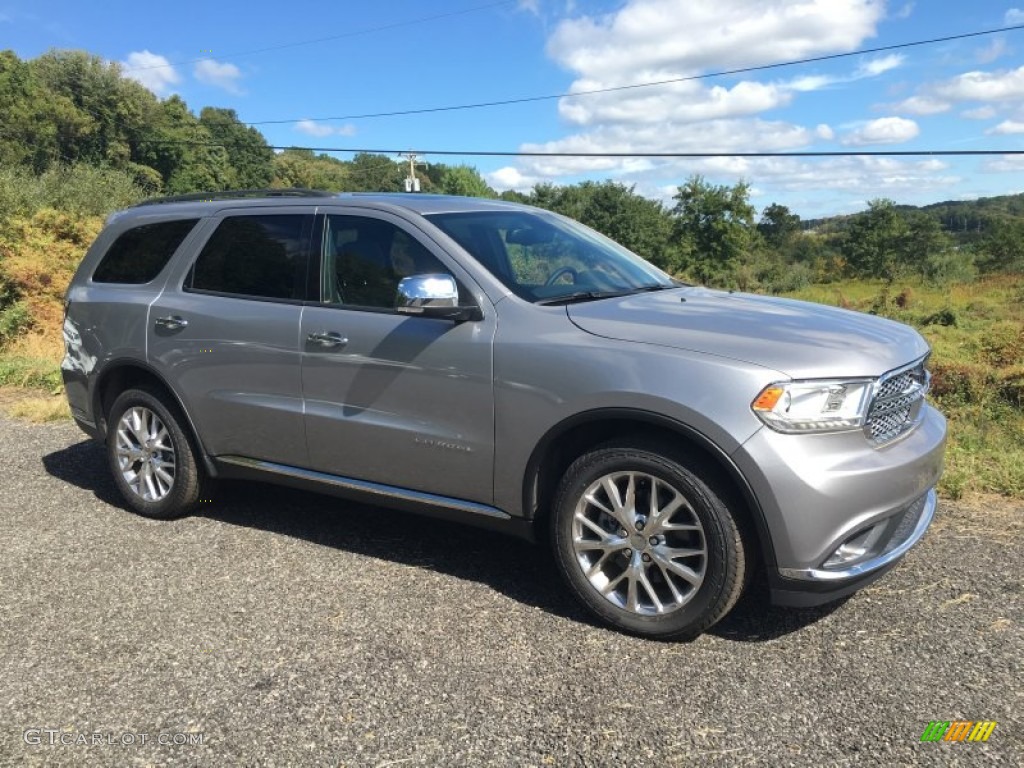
(393, 399)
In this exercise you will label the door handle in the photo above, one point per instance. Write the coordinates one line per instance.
(327, 339)
(171, 323)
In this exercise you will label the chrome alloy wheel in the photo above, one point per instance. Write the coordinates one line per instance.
(639, 543)
(145, 454)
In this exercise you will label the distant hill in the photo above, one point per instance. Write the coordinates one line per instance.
(965, 220)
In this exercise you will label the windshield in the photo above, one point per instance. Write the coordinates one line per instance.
(542, 257)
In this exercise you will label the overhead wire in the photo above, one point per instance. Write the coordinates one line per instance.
(650, 84)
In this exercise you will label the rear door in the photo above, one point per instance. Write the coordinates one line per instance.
(225, 331)
(393, 399)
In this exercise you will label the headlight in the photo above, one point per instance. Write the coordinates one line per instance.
(814, 406)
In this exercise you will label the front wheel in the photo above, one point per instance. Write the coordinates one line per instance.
(152, 460)
(646, 543)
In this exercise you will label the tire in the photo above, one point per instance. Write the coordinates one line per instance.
(667, 570)
(151, 457)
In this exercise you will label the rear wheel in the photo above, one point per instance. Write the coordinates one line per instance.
(153, 462)
(646, 543)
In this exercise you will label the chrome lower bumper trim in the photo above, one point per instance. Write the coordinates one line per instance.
(861, 569)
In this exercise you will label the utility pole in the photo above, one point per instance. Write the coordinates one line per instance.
(412, 184)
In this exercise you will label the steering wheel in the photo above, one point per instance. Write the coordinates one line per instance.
(559, 272)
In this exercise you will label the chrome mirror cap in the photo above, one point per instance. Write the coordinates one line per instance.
(431, 295)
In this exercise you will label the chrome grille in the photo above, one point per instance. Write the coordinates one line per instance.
(897, 402)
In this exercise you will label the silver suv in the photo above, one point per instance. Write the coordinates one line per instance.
(505, 366)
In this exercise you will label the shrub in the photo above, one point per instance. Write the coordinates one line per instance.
(13, 320)
(965, 382)
(952, 266)
(76, 190)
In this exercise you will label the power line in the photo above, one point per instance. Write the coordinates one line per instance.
(356, 33)
(665, 155)
(652, 84)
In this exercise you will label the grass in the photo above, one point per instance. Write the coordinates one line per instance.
(977, 335)
(37, 408)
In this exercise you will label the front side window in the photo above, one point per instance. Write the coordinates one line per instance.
(365, 259)
(264, 256)
(546, 258)
(138, 254)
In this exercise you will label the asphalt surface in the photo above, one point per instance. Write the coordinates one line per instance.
(280, 628)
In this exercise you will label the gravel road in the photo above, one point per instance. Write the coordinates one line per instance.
(278, 628)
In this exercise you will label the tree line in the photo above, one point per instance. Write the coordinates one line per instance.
(70, 109)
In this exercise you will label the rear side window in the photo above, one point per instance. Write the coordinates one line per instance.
(138, 255)
(263, 256)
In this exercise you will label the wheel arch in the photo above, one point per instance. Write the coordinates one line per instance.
(119, 375)
(569, 439)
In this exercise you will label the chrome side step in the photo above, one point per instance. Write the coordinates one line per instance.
(386, 492)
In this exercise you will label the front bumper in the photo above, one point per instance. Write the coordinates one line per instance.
(813, 586)
(839, 512)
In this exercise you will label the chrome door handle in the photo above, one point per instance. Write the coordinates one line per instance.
(172, 323)
(327, 339)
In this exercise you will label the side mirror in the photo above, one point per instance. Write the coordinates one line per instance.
(431, 296)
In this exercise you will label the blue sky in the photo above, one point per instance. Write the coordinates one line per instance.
(305, 62)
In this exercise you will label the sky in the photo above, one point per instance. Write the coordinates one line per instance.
(307, 73)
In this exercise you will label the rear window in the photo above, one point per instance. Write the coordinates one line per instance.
(138, 255)
(263, 256)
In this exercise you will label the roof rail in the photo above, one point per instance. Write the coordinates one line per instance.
(232, 194)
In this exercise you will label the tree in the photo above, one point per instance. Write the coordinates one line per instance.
(301, 168)
(617, 211)
(714, 228)
(872, 245)
(1002, 248)
(251, 161)
(465, 180)
(778, 225)
(375, 173)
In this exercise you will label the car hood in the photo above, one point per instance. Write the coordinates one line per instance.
(797, 338)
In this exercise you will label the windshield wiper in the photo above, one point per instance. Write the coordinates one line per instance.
(578, 296)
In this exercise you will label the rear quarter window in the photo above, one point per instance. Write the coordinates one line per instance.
(138, 255)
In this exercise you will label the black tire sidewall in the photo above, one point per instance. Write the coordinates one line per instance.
(715, 594)
(185, 490)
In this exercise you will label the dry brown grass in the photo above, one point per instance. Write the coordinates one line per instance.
(33, 405)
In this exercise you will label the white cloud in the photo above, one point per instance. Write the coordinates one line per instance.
(905, 11)
(218, 74)
(692, 35)
(679, 102)
(313, 128)
(878, 66)
(531, 6)
(981, 113)
(152, 70)
(884, 130)
(1013, 17)
(983, 86)
(824, 132)
(1005, 164)
(1007, 128)
(663, 40)
(511, 178)
(922, 105)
